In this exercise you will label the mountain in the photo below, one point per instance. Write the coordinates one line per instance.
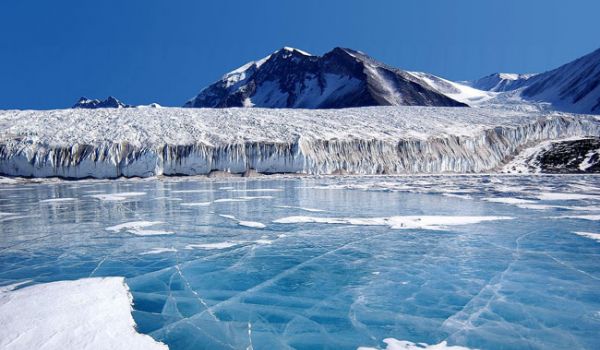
(110, 102)
(456, 91)
(291, 78)
(573, 87)
(500, 82)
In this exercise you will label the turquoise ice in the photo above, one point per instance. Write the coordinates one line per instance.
(489, 262)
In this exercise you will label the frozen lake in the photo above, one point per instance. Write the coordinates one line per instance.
(489, 262)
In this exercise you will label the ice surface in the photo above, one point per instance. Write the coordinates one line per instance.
(93, 313)
(529, 282)
(590, 235)
(395, 222)
(137, 228)
(130, 142)
(395, 344)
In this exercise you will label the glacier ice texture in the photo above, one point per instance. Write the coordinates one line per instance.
(105, 143)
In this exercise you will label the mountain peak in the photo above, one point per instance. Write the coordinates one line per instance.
(293, 49)
(109, 102)
(292, 78)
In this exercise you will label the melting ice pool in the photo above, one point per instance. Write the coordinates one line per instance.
(488, 262)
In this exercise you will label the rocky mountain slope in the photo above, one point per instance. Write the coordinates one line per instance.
(341, 78)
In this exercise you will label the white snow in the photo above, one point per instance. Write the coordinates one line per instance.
(219, 245)
(104, 143)
(159, 251)
(587, 162)
(90, 313)
(117, 196)
(509, 200)
(455, 91)
(252, 224)
(395, 222)
(557, 196)
(137, 228)
(196, 204)
(590, 235)
(395, 344)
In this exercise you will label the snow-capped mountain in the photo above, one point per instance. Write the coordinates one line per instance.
(573, 87)
(456, 91)
(500, 82)
(291, 78)
(109, 102)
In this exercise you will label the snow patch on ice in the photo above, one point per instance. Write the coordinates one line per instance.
(137, 228)
(508, 200)
(554, 196)
(395, 344)
(219, 245)
(117, 196)
(590, 235)
(395, 222)
(252, 224)
(196, 204)
(159, 251)
(90, 313)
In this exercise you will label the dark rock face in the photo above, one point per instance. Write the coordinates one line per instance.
(290, 78)
(110, 102)
(568, 157)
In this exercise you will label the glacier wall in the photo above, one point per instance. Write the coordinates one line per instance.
(485, 148)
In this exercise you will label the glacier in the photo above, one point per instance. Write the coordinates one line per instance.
(144, 142)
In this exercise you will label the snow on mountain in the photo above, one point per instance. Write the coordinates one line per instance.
(109, 102)
(341, 78)
(500, 82)
(108, 143)
(456, 91)
(573, 87)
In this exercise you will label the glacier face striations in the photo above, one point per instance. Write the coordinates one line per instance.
(105, 143)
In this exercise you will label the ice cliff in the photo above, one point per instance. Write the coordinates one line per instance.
(109, 143)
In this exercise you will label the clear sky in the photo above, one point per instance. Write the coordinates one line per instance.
(165, 51)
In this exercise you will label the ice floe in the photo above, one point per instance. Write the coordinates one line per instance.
(90, 313)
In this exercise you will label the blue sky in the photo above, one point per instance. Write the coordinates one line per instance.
(143, 51)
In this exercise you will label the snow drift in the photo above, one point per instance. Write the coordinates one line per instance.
(105, 143)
